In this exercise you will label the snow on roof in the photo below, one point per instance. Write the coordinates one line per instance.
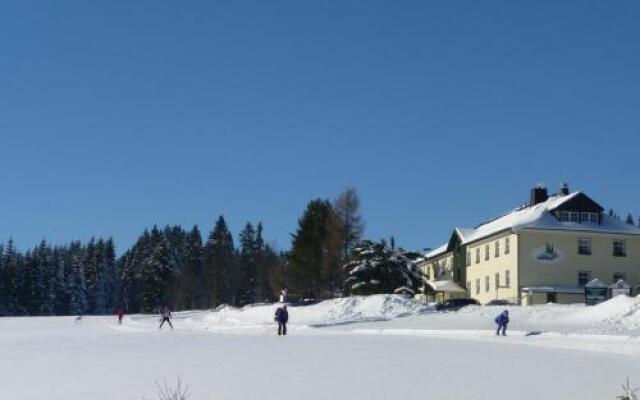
(446, 286)
(565, 289)
(539, 217)
(436, 252)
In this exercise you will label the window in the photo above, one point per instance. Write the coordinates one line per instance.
(584, 217)
(507, 245)
(593, 218)
(477, 255)
(574, 216)
(584, 277)
(619, 276)
(468, 261)
(469, 286)
(497, 254)
(486, 252)
(487, 283)
(497, 279)
(507, 278)
(477, 286)
(584, 246)
(564, 216)
(619, 248)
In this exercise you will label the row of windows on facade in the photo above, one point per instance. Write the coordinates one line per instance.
(487, 282)
(585, 277)
(487, 251)
(579, 217)
(619, 248)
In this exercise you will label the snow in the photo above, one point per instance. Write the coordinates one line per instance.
(537, 217)
(375, 347)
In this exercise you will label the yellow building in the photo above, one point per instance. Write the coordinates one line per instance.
(545, 251)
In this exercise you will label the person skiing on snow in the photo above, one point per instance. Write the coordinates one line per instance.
(166, 317)
(282, 317)
(502, 320)
(120, 314)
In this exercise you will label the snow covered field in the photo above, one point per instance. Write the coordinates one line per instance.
(378, 347)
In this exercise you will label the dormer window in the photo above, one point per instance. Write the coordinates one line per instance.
(578, 217)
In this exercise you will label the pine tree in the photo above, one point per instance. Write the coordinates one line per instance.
(220, 265)
(247, 265)
(76, 284)
(347, 210)
(629, 220)
(378, 268)
(315, 252)
(156, 273)
(192, 287)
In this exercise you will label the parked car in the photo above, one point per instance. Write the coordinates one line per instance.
(456, 304)
(499, 303)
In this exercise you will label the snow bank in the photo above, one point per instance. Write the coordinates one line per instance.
(621, 310)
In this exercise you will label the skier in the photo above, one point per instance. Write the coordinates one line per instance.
(502, 320)
(166, 317)
(120, 314)
(282, 317)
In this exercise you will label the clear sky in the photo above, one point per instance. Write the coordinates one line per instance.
(118, 115)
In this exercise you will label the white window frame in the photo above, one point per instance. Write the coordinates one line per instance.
(588, 252)
(507, 278)
(593, 218)
(584, 217)
(497, 249)
(478, 286)
(487, 252)
(507, 245)
(588, 277)
(623, 253)
(564, 216)
(487, 283)
(574, 216)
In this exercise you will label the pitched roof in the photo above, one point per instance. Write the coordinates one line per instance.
(537, 217)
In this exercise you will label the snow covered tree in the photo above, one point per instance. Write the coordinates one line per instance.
(377, 268)
(76, 284)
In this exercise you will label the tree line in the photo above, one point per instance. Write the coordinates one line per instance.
(184, 269)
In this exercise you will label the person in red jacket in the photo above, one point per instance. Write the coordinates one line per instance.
(120, 314)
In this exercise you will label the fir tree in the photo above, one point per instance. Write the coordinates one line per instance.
(378, 268)
(219, 264)
(315, 252)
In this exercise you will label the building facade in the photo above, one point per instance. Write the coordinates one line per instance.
(544, 251)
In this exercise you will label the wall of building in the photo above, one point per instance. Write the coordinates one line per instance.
(538, 268)
(494, 265)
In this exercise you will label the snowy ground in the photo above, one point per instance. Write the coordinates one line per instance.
(379, 347)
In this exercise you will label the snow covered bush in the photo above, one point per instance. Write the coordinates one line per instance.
(376, 268)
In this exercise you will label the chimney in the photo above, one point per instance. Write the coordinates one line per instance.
(538, 195)
(564, 189)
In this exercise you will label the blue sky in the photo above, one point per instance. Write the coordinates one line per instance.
(115, 116)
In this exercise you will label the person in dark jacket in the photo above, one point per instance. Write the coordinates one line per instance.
(120, 314)
(166, 317)
(502, 320)
(282, 317)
